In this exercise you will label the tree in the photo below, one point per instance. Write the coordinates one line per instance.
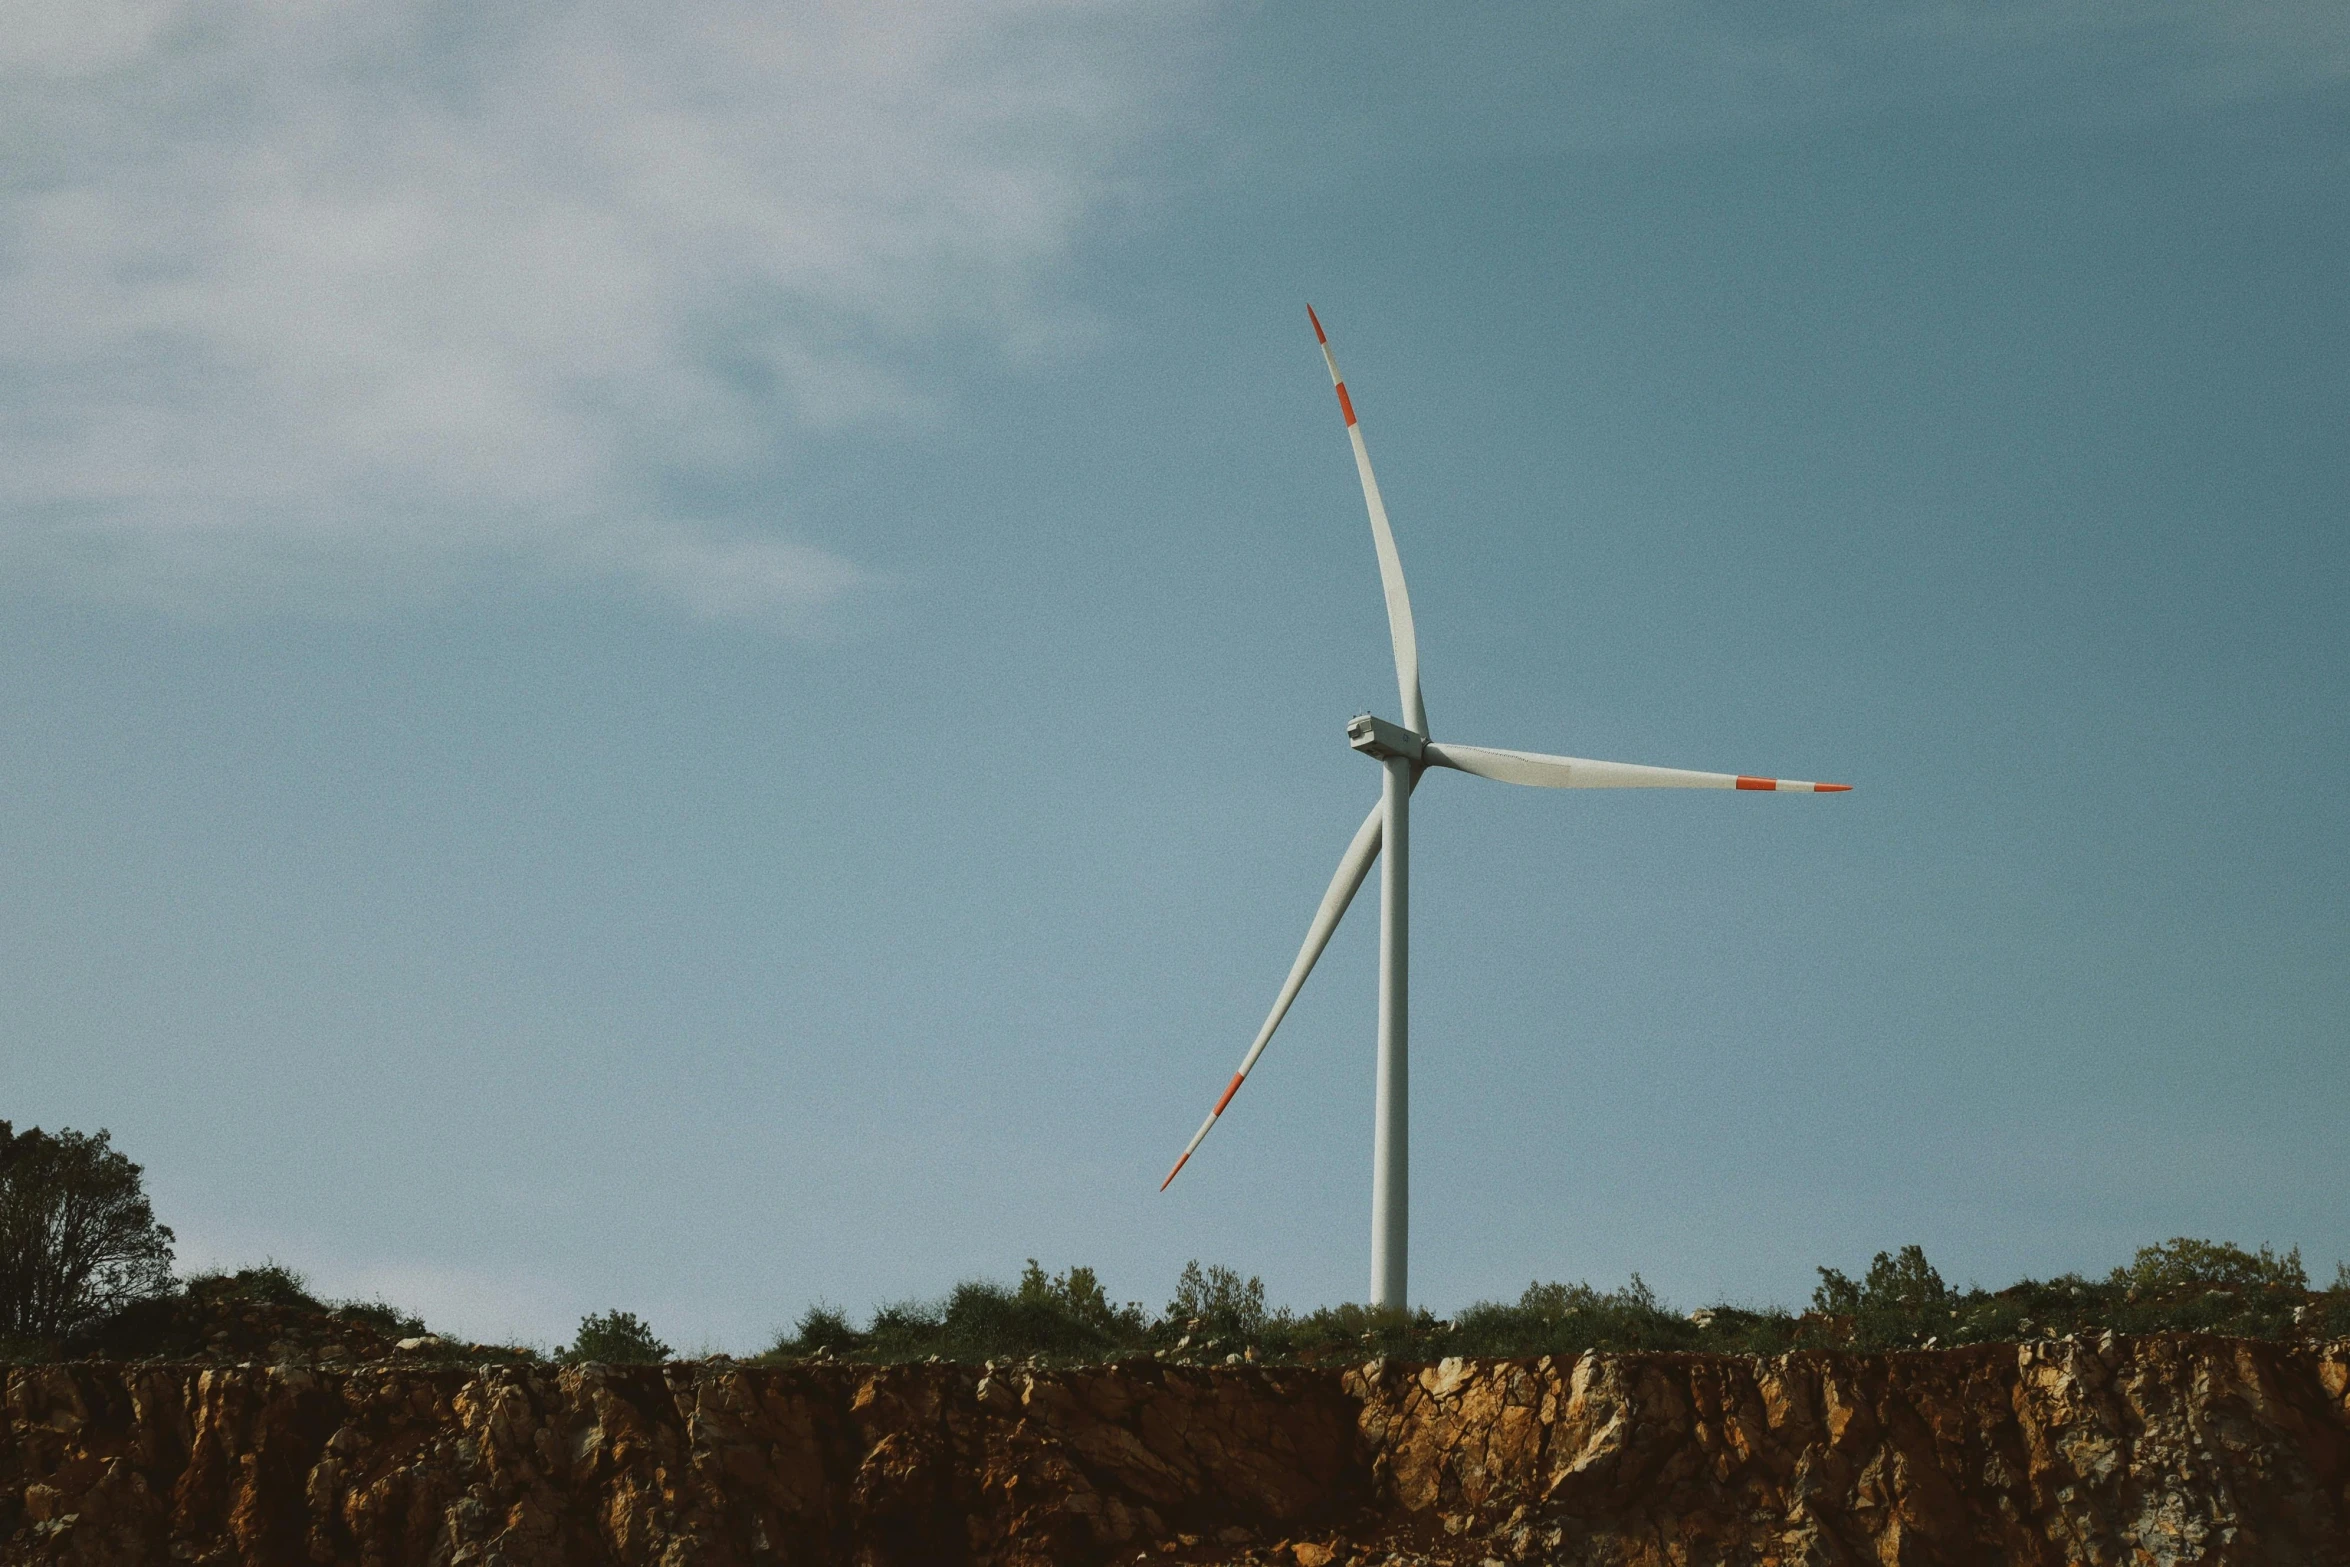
(1078, 1293)
(1218, 1301)
(78, 1240)
(1904, 1278)
(617, 1338)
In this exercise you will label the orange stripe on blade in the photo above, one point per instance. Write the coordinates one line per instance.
(1831, 788)
(1346, 405)
(1758, 783)
(1317, 320)
(1171, 1174)
(1230, 1089)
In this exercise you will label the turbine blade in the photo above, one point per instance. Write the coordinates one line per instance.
(1574, 772)
(1352, 867)
(1399, 600)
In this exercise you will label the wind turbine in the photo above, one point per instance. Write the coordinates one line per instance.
(1404, 752)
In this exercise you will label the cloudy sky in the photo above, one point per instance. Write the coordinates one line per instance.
(698, 662)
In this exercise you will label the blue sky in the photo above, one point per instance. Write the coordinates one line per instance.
(700, 667)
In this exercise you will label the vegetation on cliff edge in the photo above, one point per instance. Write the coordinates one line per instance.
(85, 1271)
(1899, 1302)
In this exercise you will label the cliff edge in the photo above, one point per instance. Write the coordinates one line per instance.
(2154, 1450)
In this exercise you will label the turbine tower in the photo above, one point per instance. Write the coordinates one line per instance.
(1404, 752)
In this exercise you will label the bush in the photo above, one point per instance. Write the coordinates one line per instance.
(2180, 1285)
(2328, 1316)
(1547, 1319)
(271, 1284)
(617, 1338)
(1215, 1301)
(78, 1240)
(1566, 1319)
(824, 1328)
(2177, 1266)
(380, 1316)
(1067, 1316)
(1077, 1294)
(1900, 1301)
(1903, 1280)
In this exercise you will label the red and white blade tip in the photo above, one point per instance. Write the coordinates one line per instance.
(1346, 404)
(1792, 785)
(1201, 1135)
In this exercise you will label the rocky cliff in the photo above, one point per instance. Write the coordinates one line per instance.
(2168, 1449)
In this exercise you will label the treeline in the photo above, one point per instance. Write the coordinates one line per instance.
(1216, 1316)
(1900, 1302)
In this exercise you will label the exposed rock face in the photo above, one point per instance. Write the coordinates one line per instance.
(2157, 1450)
(108, 1463)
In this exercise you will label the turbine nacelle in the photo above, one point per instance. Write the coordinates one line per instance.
(1379, 739)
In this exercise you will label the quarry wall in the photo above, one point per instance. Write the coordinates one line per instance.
(2155, 1450)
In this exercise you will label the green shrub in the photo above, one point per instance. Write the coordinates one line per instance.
(1902, 1280)
(1067, 1318)
(270, 1284)
(616, 1338)
(1739, 1330)
(381, 1317)
(2180, 1285)
(1341, 1333)
(1566, 1319)
(2180, 1265)
(1216, 1302)
(825, 1328)
(1900, 1301)
(1077, 1295)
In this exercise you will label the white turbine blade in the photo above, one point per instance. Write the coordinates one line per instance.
(1399, 601)
(1352, 867)
(1575, 772)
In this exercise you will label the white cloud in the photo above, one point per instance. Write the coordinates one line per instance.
(308, 292)
(320, 301)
